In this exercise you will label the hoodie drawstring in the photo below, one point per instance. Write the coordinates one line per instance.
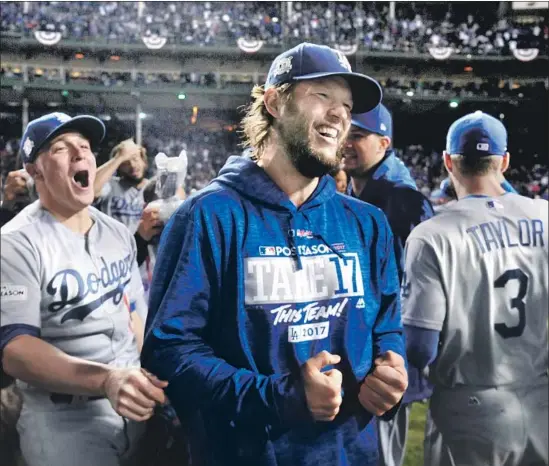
(291, 239)
(321, 238)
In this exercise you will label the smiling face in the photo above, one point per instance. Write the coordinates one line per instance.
(363, 151)
(65, 173)
(133, 169)
(314, 123)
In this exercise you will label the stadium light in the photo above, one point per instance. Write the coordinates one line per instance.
(410, 93)
(65, 93)
(501, 116)
(453, 104)
(181, 96)
(142, 115)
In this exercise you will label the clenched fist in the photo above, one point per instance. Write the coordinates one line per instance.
(134, 393)
(150, 224)
(322, 389)
(16, 185)
(385, 386)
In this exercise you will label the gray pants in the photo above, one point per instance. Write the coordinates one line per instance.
(495, 427)
(84, 433)
(392, 437)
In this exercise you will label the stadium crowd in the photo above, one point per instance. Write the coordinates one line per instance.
(396, 86)
(208, 150)
(415, 27)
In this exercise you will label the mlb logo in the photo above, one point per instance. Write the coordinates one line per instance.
(494, 205)
(267, 251)
(483, 146)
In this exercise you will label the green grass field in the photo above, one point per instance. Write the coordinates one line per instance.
(416, 432)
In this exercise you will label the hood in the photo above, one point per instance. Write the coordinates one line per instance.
(242, 174)
(393, 169)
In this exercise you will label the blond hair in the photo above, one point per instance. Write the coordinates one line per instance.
(257, 122)
(128, 142)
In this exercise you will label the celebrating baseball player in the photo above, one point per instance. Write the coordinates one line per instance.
(72, 308)
(274, 310)
(121, 197)
(380, 178)
(475, 299)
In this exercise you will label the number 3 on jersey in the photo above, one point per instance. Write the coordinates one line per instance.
(516, 303)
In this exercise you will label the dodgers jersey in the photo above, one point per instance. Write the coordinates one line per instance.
(478, 272)
(122, 201)
(74, 291)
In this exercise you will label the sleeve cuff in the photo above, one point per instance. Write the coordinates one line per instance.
(9, 332)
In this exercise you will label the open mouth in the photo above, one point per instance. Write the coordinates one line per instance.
(81, 178)
(328, 133)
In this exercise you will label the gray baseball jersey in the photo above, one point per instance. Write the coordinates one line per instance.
(478, 272)
(74, 291)
(122, 201)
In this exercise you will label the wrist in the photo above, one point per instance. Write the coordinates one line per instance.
(105, 382)
(143, 235)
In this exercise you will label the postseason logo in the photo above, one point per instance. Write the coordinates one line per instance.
(302, 250)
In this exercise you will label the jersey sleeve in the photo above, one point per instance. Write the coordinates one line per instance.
(20, 285)
(422, 292)
(106, 190)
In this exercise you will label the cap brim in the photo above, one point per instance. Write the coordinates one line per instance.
(90, 127)
(366, 91)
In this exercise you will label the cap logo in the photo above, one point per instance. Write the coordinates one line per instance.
(483, 146)
(62, 118)
(343, 61)
(382, 127)
(282, 66)
(28, 146)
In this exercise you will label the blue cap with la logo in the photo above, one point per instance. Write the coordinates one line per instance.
(311, 61)
(477, 135)
(42, 130)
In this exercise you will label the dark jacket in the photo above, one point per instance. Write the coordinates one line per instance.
(391, 188)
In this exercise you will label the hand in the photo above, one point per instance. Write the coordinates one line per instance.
(149, 225)
(128, 151)
(385, 386)
(134, 393)
(322, 389)
(16, 185)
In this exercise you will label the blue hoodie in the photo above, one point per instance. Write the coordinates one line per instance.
(246, 289)
(391, 188)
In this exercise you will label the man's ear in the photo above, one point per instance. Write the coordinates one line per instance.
(272, 102)
(505, 162)
(447, 162)
(385, 142)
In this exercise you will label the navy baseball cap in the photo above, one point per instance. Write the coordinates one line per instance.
(42, 130)
(377, 121)
(477, 135)
(311, 61)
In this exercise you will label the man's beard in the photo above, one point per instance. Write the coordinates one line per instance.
(357, 172)
(294, 135)
(133, 180)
